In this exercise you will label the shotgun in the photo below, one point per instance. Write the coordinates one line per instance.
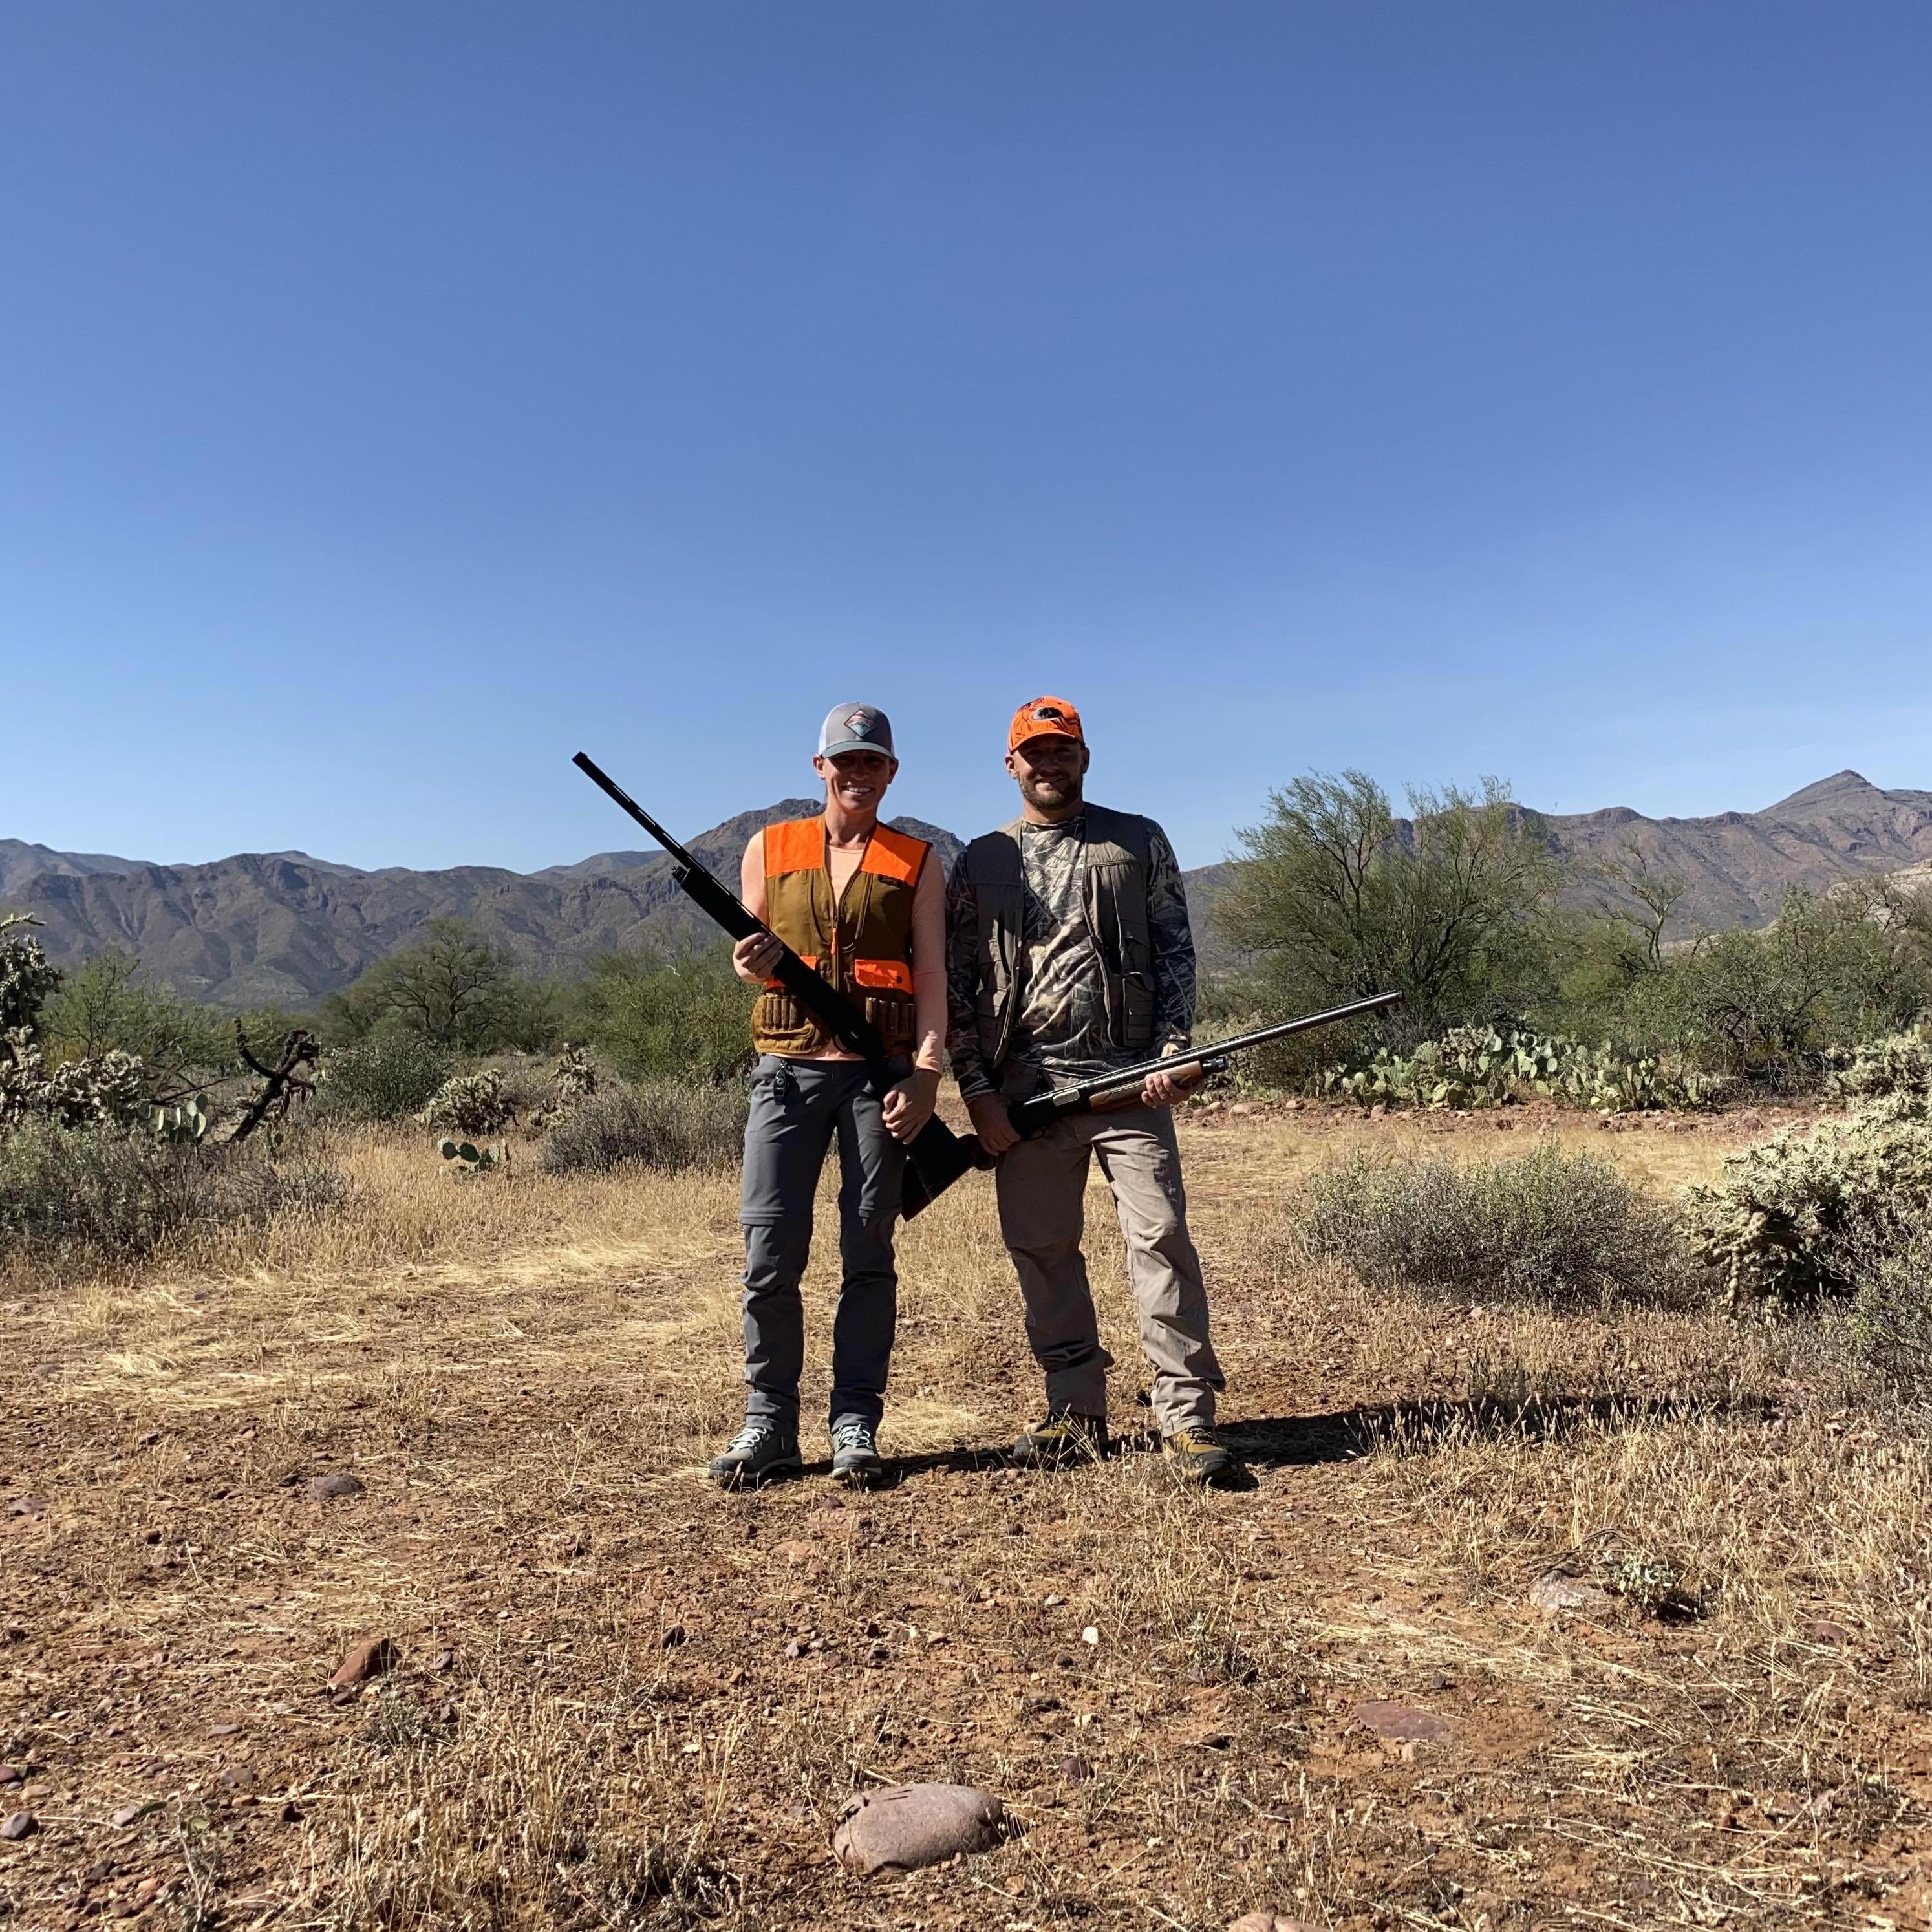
(935, 1157)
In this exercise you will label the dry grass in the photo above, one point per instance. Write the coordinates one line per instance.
(596, 1721)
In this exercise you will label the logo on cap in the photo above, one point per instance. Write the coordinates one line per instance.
(860, 723)
(1052, 711)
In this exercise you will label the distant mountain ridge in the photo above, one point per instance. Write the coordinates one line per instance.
(286, 927)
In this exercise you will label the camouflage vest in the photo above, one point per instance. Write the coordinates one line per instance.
(862, 945)
(1119, 856)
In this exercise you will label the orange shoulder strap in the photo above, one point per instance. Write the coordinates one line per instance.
(896, 855)
(798, 845)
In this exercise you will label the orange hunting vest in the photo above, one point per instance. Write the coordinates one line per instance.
(862, 945)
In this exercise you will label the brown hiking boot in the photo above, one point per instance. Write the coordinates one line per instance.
(1064, 1439)
(1195, 1457)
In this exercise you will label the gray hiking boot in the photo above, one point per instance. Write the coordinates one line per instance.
(761, 1450)
(1064, 1439)
(855, 1453)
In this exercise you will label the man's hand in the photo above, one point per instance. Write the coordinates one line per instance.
(755, 959)
(992, 1123)
(1165, 1090)
(909, 1105)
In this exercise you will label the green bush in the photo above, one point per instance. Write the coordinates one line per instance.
(470, 1103)
(1805, 1214)
(116, 1194)
(666, 1124)
(665, 1016)
(1550, 1227)
(387, 1076)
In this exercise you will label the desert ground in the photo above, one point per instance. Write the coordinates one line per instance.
(618, 1697)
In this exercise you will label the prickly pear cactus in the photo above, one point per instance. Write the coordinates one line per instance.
(472, 1160)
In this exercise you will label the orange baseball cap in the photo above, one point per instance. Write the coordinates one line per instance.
(1044, 717)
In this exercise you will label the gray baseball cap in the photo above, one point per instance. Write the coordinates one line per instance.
(855, 727)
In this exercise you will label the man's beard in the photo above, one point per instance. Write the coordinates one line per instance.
(1064, 793)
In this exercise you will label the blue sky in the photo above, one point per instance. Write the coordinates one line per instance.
(397, 398)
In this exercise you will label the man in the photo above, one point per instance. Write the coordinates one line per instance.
(1070, 955)
(861, 904)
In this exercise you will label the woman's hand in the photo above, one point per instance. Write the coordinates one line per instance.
(755, 959)
(909, 1105)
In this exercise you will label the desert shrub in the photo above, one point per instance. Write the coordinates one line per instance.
(1887, 1324)
(454, 987)
(1805, 1214)
(110, 1090)
(106, 1006)
(667, 1124)
(387, 1076)
(1550, 1227)
(470, 1103)
(665, 1015)
(117, 1194)
(1900, 1063)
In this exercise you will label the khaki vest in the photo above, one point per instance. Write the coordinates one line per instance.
(1119, 856)
(863, 946)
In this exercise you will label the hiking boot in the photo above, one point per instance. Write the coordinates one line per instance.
(1195, 1455)
(1065, 1437)
(761, 1450)
(855, 1454)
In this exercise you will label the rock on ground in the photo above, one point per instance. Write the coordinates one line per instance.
(906, 1825)
(1401, 1723)
(1265, 1921)
(336, 1483)
(365, 1661)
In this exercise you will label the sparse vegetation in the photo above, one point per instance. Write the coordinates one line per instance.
(116, 1195)
(669, 1125)
(1560, 1228)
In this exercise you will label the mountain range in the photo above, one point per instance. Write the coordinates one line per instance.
(283, 927)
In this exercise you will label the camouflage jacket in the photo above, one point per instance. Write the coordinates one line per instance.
(1069, 950)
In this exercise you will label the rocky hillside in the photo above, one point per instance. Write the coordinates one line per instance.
(285, 927)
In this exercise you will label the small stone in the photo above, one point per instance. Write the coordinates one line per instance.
(13, 1774)
(1074, 1770)
(223, 1730)
(446, 1660)
(365, 1661)
(1089, 1635)
(336, 1483)
(1834, 1635)
(1052, 1603)
(904, 1826)
(1266, 1920)
(1378, 1111)
(1555, 1591)
(148, 1441)
(1400, 1723)
(28, 1506)
(129, 1814)
(20, 1825)
(794, 1649)
(1438, 1680)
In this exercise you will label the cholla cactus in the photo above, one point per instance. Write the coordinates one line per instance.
(471, 1103)
(1801, 1215)
(27, 976)
(1901, 1063)
(106, 1090)
(573, 1083)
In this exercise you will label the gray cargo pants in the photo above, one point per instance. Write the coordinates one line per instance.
(797, 1106)
(1042, 1186)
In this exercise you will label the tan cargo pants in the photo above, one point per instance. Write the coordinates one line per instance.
(1042, 1185)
